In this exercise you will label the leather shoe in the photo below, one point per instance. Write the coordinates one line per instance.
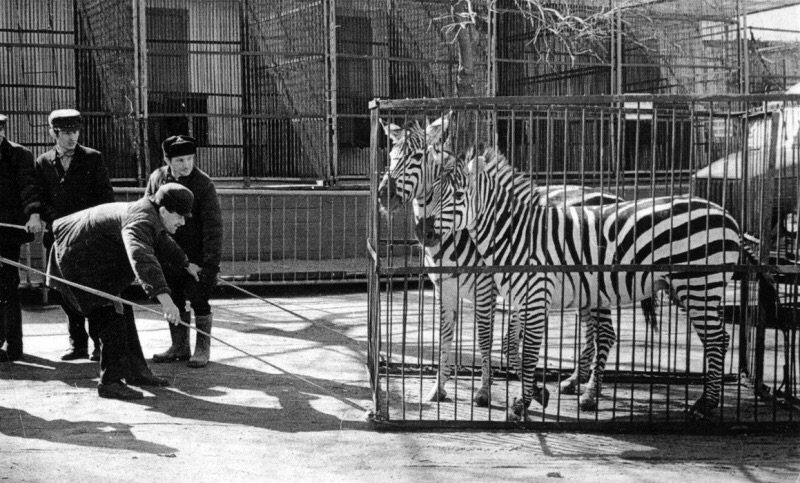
(148, 380)
(5, 357)
(95, 355)
(74, 353)
(118, 390)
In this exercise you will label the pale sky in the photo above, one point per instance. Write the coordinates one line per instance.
(784, 19)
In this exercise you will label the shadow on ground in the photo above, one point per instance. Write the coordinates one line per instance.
(218, 394)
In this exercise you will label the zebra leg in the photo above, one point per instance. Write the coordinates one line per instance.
(533, 328)
(540, 394)
(605, 337)
(583, 367)
(706, 322)
(446, 296)
(649, 309)
(485, 302)
(511, 342)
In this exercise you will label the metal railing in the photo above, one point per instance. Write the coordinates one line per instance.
(291, 236)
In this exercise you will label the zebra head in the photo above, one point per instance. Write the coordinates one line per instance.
(446, 207)
(414, 161)
(475, 188)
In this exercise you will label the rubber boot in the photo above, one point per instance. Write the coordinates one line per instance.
(202, 349)
(179, 350)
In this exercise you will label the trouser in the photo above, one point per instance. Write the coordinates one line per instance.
(10, 309)
(109, 326)
(121, 353)
(76, 326)
(76, 321)
(185, 288)
(134, 356)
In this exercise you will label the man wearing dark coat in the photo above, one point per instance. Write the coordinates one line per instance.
(20, 205)
(201, 239)
(107, 248)
(73, 178)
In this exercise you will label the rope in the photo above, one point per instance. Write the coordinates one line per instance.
(299, 316)
(9, 225)
(18, 227)
(114, 298)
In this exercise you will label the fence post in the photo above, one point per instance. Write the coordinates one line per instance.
(765, 224)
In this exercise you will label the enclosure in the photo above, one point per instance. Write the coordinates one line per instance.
(634, 147)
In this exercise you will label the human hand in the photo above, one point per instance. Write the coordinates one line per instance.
(194, 271)
(169, 309)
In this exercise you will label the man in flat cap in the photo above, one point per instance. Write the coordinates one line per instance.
(107, 248)
(73, 178)
(201, 239)
(20, 205)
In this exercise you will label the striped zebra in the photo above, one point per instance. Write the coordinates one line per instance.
(508, 231)
(416, 159)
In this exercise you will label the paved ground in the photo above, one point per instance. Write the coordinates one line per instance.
(296, 411)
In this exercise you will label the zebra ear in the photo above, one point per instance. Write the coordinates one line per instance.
(476, 164)
(437, 131)
(395, 132)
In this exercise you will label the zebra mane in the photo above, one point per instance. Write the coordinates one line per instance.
(494, 158)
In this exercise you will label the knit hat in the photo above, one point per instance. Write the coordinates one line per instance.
(175, 198)
(179, 145)
(64, 119)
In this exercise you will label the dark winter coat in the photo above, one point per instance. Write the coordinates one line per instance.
(20, 195)
(201, 236)
(110, 246)
(86, 183)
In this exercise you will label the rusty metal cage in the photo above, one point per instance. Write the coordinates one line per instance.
(634, 147)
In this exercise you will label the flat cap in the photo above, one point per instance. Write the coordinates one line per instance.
(3, 120)
(175, 198)
(64, 119)
(179, 145)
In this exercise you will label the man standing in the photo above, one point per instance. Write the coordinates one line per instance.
(107, 248)
(201, 239)
(73, 178)
(19, 201)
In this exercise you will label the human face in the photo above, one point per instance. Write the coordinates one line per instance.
(66, 139)
(2, 133)
(172, 221)
(181, 166)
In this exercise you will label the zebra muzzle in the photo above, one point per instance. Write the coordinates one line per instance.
(388, 199)
(426, 232)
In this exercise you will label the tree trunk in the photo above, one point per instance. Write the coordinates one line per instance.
(465, 78)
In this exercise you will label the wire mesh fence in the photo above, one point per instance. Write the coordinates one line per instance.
(279, 90)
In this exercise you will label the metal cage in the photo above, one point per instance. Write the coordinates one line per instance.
(635, 147)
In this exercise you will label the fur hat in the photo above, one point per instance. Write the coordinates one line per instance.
(175, 198)
(179, 145)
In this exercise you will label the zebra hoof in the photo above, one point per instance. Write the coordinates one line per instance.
(518, 411)
(588, 401)
(702, 409)
(481, 399)
(569, 387)
(542, 396)
(437, 394)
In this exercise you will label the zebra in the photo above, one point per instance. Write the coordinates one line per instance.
(480, 197)
(416, 159)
